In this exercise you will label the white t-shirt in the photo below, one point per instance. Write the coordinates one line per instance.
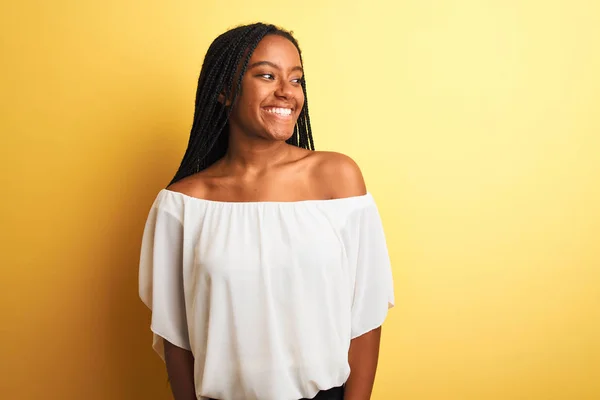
(266, 295)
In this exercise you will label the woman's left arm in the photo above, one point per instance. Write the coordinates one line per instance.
(343, 178)
(362, 357)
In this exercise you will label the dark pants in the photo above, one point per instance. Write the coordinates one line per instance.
(336, 393)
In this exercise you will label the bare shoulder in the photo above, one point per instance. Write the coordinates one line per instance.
(196, 185)
(338, 174)
(190, 186)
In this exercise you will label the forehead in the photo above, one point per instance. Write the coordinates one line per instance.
(278, 50)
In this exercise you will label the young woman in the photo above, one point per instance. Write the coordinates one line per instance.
(264, 262)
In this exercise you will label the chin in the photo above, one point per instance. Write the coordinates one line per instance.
(280, 136)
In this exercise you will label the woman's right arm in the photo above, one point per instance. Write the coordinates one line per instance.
(180, 369)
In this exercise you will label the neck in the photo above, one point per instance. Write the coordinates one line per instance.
(253, 155)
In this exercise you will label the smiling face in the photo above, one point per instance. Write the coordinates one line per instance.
(271, 96)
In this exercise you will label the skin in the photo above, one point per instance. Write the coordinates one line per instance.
(260, 166)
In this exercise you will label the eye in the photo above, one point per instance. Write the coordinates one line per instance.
(267, 76)
(298, 80)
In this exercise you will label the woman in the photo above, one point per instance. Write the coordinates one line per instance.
(264, 262)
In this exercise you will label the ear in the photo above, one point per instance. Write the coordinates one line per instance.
(223, 100)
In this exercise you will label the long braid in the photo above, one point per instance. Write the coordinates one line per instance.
(208, 110)
(213, 112)
(208, 139)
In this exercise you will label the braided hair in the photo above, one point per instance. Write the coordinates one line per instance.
(209, 139)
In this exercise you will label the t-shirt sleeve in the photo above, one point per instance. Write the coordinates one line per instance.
(161, 279)
(370, 270)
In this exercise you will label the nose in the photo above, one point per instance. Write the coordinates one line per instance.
(284, 89)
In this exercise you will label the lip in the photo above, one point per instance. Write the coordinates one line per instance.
(280, 106)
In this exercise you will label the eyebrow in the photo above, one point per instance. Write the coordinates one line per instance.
(270, 64)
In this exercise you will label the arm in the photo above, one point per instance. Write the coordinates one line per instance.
(362, 357)
(161, 289)
(344, 178)
(180, 369)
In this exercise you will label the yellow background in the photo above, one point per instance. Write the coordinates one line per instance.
(476, 124)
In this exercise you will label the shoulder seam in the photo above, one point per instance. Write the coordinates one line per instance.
(159, 205)
(357, 208)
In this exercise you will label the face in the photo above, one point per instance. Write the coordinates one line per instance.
(271, 96)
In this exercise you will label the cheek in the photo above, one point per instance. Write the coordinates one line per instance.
(246, 107)
(248, 97)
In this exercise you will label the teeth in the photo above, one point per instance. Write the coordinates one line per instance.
(280, 111)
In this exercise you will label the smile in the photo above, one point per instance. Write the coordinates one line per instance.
(284, 112)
